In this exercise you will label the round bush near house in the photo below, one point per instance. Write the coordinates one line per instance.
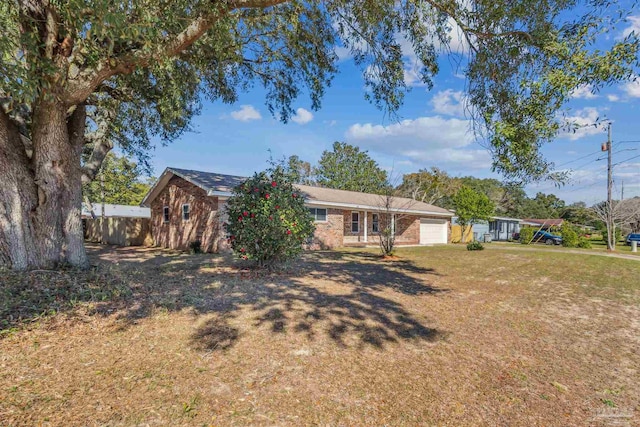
(474, 246)
(268, 221)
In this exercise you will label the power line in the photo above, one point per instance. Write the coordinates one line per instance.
(630, 141)
(630, 158)
(626, 149)
(579, 158)
(585, 186)
(591, 161)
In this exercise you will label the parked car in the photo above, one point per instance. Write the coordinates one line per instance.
(632, 237)
(546, 238)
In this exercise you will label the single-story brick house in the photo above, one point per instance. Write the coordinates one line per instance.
(188, 205)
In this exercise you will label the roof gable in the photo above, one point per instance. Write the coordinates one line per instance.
(209, 181)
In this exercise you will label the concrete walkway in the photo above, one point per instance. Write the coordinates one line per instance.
(498, 245)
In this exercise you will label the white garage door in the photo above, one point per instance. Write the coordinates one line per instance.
(433, 231)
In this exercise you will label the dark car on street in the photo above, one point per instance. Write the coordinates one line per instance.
(633, 237)
(546, 238)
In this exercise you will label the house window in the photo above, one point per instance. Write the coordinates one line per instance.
(375, 223)
(501, 227)
(355, 222)
(318, 214)
(165, 213)
(185, 212)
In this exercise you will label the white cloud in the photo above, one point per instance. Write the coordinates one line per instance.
(412, 76)
(302, 116)
(449, 102)
(613, 98)
(584, 92)
(429, 141)
(343, 53)
(246, 113)
(634, 26)
(457, 44)
(414, 133)
(635, 166)
(584, 123)
(586, 176)
(632, 88)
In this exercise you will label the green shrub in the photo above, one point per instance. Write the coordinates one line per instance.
(618, 234)
(268, 221)
(196, 247)
(569, 235)
(584, 243)
(526, 235)
(474, 246)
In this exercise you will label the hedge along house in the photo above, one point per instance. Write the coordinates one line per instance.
(188, 206)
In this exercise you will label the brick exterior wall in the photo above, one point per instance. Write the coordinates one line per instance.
(407, 230)
(336, 231)
(203, 223)
(329, 233)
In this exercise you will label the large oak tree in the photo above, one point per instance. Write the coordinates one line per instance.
(88, 74)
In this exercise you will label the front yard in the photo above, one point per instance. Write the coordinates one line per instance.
(441, 336)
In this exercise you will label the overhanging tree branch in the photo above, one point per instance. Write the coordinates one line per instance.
(102, 145)
(88, 80)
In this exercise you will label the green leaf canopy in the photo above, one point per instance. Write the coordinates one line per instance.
(142, 68)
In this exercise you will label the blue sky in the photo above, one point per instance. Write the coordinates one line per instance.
(432, 131)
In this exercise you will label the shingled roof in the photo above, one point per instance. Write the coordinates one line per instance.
(330, 196)
(210, 181)
(216, 184)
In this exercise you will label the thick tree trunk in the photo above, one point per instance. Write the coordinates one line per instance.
(18, 199)
(40, 209)
(75, 252)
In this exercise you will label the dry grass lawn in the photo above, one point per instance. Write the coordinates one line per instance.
(440, 336)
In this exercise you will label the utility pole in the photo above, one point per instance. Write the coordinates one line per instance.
(622, 192)
(611, 232)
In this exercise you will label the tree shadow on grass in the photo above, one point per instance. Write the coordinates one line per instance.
(352, 298)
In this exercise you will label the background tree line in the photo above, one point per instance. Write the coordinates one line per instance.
(120, 181)
(346, 167)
